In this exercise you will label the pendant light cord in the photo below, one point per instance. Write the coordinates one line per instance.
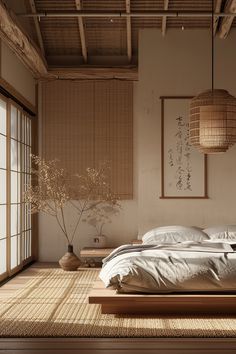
(212, 45)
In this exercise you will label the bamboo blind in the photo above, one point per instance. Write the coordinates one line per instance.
(88, 122)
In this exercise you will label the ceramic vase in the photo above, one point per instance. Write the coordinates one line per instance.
(70, 262)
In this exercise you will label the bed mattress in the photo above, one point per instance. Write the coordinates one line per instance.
(165, 268)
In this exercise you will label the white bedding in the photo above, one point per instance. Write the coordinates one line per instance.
(174, 267)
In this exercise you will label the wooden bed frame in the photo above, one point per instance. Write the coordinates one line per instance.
(113, 303)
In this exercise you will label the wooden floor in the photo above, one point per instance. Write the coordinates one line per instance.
(103, 345)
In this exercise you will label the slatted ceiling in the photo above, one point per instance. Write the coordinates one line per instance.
(104, 37)
(60, 36)
(55, 5)
(202, 22)
(202, 5)
(105, 23)
(103, 5)
(146, 5)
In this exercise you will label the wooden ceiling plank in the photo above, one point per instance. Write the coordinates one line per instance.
(37, 26)
(82, 32)
(227, 21)
(164, 18)
(15, 37)
(128, 31)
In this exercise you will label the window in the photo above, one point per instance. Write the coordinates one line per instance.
(15, 174)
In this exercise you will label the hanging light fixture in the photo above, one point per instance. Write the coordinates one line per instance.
(212, 127)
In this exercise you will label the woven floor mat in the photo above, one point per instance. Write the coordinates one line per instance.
(55, 304)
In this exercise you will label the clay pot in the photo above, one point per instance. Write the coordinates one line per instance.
(70, 262)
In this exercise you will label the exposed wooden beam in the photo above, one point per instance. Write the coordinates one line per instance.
(226, 23)
(93, 73)
(37, 26)
(164, 18)
(218, 4)
(122, 14)
(19, 42)
(128, 31)
(81, 31)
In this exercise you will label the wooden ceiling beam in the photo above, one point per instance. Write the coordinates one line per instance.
(82, 32)
(128, 31)
(227, 22)
(95, 73)
(218, 4)
(19, 42)
(164, 18)
(37, 26)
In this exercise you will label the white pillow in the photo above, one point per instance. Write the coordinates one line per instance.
(173, 234)
(221, 232)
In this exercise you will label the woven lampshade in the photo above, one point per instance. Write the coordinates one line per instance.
(212, 127)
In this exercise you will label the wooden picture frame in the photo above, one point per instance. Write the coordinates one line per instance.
(183, 168)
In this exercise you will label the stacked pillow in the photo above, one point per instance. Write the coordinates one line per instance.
(226, 232)
(173, 234)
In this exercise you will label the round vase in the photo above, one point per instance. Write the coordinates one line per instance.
(69, 262)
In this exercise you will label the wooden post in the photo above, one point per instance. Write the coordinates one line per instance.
(128, 29)
(164, 18)
(81, 31)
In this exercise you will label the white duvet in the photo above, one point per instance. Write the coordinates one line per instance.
(175, 267)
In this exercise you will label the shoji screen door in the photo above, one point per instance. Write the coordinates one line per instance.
(3, 187)
(15, 174)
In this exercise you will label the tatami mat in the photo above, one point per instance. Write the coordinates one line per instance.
(54, 304)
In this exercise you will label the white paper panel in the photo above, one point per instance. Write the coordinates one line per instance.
(3, 146)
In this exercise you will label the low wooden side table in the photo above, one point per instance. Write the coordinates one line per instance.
(93, 256)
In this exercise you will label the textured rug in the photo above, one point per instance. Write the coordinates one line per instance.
(54, 304)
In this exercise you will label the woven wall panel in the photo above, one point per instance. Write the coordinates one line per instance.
(87, 122)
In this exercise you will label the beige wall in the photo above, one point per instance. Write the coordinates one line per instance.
(16, 74)
(178, 64)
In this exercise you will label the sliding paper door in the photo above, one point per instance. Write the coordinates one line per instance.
(26, 148)
(15, 186)
(3, 188)
(15, 175)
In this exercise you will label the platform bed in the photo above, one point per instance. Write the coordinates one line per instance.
(199, 303)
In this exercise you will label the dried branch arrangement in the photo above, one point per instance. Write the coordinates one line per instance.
(53, 190)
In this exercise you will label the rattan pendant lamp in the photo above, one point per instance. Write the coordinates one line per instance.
(212, 126)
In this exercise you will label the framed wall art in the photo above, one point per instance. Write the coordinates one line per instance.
(184, 168)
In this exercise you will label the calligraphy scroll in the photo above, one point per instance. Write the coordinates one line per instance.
(183, 166)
